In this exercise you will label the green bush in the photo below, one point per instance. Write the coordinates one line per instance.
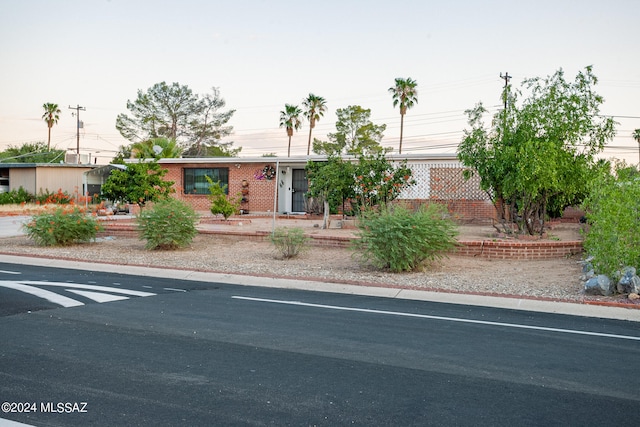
(220, 204)
(401, 240)
(289, 242)
(613, 214)
(62, 227)
(16, 197)
(169, 224)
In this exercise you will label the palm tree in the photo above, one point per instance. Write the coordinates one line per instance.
(315, 106)
(156, 148)
(290, 119)
(636, 135)
(51, 116)
(404, 94)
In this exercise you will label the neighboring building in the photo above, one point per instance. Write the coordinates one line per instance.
(268, 184)
(44, 177)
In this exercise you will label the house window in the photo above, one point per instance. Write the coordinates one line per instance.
(196, 183)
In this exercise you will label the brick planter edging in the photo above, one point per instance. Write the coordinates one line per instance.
(488, 249)
(504, 249)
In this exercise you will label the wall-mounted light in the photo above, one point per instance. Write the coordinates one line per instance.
(238, 165)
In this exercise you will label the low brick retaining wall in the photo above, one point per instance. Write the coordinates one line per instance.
(507, 249)
(488, 249)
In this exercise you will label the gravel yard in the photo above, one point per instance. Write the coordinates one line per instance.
(556, 279)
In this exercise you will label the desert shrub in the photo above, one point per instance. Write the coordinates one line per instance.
(401, 240)
(289, 242)
(16, 197)
(47, 197)
(220, 203)
(613, 214)
(169, 224)
(62, 227)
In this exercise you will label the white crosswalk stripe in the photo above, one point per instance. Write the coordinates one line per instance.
(95, 293)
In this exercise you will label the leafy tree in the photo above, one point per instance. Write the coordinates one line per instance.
(372, 181)
(175, 112)
(355, 134)
(156, 148)
(315, 107)
(378, 181)
(405, 95)
(613, 212)
(332, 182)
(31, 152)
(541, 153)
(51, 116)
(138, 183)
(290, 120)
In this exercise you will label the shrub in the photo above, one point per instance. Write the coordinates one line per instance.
(16, 197)
(220, 204)
(289, 242)
(169, 224)
(62, 227)
(613, 212)
(401, 240)
(60, 197)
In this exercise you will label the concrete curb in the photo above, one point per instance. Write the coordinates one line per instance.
(605, 310)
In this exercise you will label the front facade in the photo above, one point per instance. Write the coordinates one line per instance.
(278, 184)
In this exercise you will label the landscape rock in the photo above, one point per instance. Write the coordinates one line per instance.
(629, 283)
(599, 285)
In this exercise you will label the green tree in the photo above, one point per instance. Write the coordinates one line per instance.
(139, 183)
(539, 154)
(612, 209)
(315, 107)
(31, 152)
(51, 116)
(175, 112)
(355, 134)
(372, 181)
(332, 182)
(290, 120)
(405, 95)
(379, 181)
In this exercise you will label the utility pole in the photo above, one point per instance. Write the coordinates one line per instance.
(506, 79)
(77, 113)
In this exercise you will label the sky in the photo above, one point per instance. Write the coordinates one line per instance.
(261, 55)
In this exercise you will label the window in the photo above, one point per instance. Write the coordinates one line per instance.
(196, 183)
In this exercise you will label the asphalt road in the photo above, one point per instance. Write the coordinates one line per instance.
(161, 351)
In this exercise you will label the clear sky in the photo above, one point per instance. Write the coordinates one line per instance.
(263, 54)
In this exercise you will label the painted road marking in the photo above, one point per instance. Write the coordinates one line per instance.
(9, 272)
(449, 319)
(96, 293)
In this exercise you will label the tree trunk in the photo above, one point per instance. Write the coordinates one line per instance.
(401, 129)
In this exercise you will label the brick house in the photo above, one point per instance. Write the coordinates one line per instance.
(268, 184)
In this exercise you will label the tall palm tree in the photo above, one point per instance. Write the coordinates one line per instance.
(636, 135)
(315, 106)
(51, 116)
(290, 119)
(404, 94)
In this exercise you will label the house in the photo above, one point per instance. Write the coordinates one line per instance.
(39, 178)
(279, 184)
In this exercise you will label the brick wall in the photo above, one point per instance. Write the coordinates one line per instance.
(260, 189)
